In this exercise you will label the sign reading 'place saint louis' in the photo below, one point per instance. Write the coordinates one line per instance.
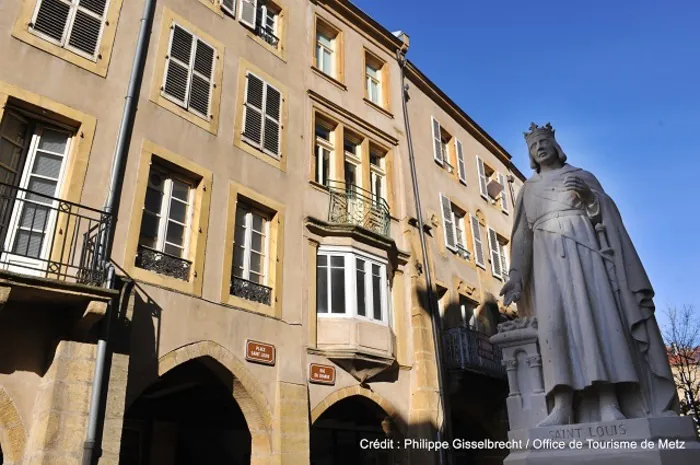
(260, 352)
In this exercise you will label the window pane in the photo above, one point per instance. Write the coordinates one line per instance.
(149, 228)
(258, 223)
(175, 233)
(180, 190)
(256, 278)
(153, 200)
(256, 262)
(53, 141)
(377, 292)
(322, 285)
(323, 132)
(47, 165)
(360, 275)
(326, 57)
(337, 289)
(173, 250)
(257, 242)
(238, 255)
(337, 261)
(323, 40)
(41, 186)
(178, 211)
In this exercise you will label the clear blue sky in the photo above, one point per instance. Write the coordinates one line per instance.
(619, 80)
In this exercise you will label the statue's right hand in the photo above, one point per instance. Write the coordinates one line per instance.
(511, 291)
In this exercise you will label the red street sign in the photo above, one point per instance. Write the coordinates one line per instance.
(260, 352)
(321, 374)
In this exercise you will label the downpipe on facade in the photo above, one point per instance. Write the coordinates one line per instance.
(91, 448)
(444, 456)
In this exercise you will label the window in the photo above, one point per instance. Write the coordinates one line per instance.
(189, 72)
(478, 243)
(323, 150)
(467, 315)
(250, 253)
(441, 146)
(491, 185)
(352, 162)
(352, 284)
(453, 227)
(267, 22)
(461, 164)
(71, 24)
(504, 195)
(499, 261)
(262, 115)
(165, 224)
(377, 175)
(326, 49)
(374, 69)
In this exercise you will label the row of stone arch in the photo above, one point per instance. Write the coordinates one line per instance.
(249, 398)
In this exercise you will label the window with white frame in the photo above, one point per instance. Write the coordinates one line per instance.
(352, 161)
(351, 283)
(326, 40)
(76, 25)
(499, 259)
(251, 243)
(323, 151)
(262, 115)
(454, 229)
(167, 211)
(267, 22)
(373, 79)
(189, 72)
(377, 174)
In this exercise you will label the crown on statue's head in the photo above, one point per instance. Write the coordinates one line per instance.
(536, 132)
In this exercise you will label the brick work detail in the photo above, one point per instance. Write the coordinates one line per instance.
(13, 437)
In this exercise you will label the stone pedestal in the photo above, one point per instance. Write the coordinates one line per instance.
(636, 441)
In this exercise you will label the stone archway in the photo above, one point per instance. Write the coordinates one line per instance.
(245, 390)
(13, 436)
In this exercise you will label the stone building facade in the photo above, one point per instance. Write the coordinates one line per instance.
(270, 304)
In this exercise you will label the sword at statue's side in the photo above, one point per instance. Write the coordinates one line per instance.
(608, 254)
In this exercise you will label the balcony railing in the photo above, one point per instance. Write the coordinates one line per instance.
(51, 238)
(163, 263)
(351, 205)
(251, 291)
(467, 349)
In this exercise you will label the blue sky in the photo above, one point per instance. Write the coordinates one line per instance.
(620, 81)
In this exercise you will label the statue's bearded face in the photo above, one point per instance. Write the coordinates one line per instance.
(543, 151)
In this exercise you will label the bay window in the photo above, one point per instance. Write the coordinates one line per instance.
(351, 283)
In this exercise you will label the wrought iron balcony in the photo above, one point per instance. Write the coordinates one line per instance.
(51, 238)
(470, 350)
(251, 291)
(351, 205)
(163, 263)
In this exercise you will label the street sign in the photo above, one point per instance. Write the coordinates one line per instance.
(321, 374)
(260, 352)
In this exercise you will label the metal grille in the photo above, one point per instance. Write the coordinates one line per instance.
(251, 291)
(471, 350)
(163, 263)
(352, 205)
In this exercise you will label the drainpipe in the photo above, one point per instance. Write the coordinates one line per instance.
(432, 304)
(91, 446)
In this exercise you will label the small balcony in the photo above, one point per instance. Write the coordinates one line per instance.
(251, 291)
(162, 263)
(46, 237)
(352, 205)
(470, 350)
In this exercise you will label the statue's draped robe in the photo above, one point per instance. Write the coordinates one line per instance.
(595, 311)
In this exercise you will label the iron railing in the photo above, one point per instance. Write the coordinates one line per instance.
(163, 263)
(44, 236)
(350, 204)
(467, 349)
(263, 30)
(251, 291)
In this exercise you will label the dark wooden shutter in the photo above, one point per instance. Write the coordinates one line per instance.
(177, 73)
(52, 19)
(273, 108)
(202, 77)
(253, 118)
(87, 26)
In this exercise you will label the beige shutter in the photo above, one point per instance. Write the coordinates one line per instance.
(478, 244)
(504, 261)
(494, 249)
(253, 110)
(482, 177)
(448, 223)
(228, 6)
(202, 78)
(461, 165)
(249, 12)
(272, 127)
(437, 142)
(177, 72)
(504, 193)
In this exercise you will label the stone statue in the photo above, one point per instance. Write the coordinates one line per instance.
(574, 267)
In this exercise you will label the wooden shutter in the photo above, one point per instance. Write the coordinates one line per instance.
(253, 111)
(482, 177)
(437, 142)
(461, 165)
(51, 19)
(448, 223)
(272, 127)
(177, 73)
(202, 78)
(504, 193)
(86, 30)
(228, 6)
(478, 244)
(249, 12)
(504, 262)
(494, 249)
